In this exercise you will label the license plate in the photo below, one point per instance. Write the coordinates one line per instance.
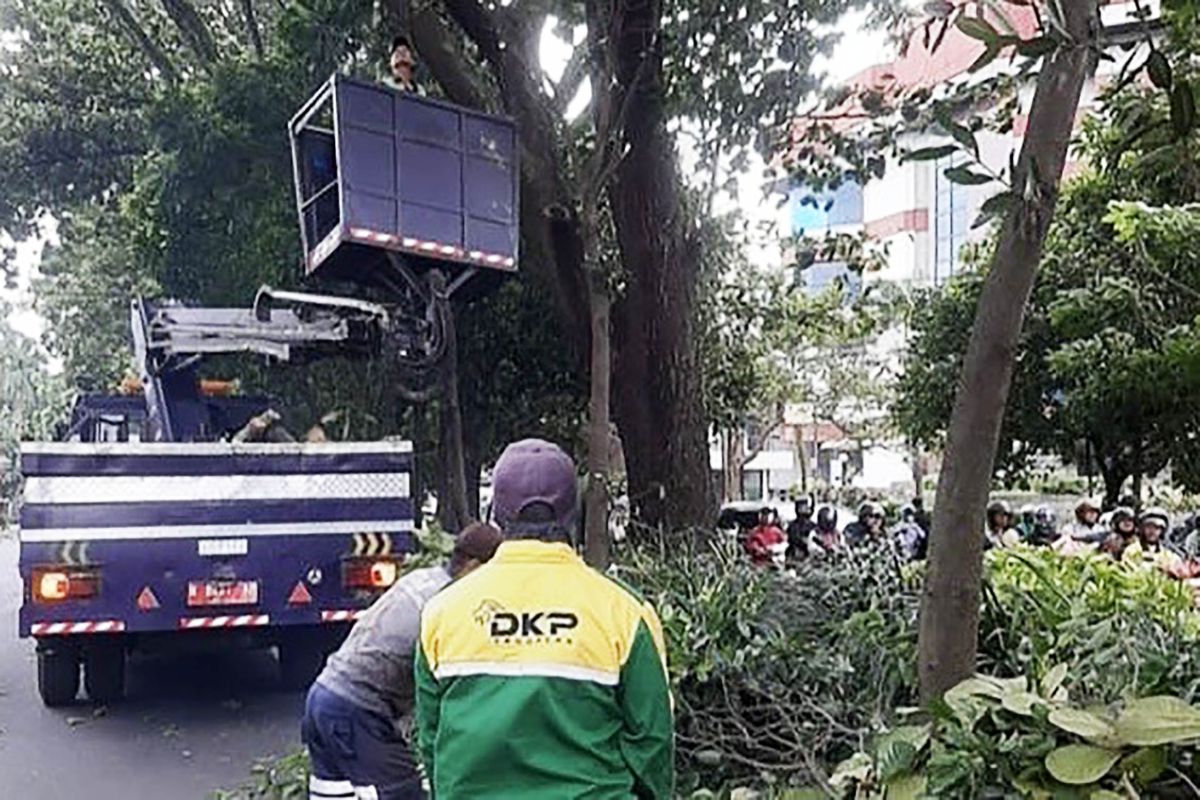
(222, 593)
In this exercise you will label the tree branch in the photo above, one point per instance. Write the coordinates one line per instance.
(193, 29)
(127, 22)
(572, 78)
(449, 65)
(252, 27)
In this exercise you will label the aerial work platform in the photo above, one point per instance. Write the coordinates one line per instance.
(383, 171)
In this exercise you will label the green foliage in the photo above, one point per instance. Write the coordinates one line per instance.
(990, 737)
(284, 778)
(1105, 351)
(775, 676)
(1120, 627)
(31, 402)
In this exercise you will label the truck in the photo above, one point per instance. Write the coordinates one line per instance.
(151, 524)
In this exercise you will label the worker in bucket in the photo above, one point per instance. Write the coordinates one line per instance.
(357, 711)
(539, 677)
(402, 66)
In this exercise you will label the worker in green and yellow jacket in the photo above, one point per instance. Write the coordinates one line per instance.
(538, 677)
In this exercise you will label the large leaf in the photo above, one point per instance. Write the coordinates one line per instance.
(980, 29)
(905, 787)
(975, 687)
(1020, 702)
(1158, 720)
(966, 177)
(894, 758)
(997, 206)
(1183, 109)
(1082, 723)
(930, 153)
(1159, 70)
(854, 770)
(1080, 764)
(1036, 48)
(1052, 681)
(1145, 765)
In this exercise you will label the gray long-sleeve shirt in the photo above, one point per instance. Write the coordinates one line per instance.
(374, 666)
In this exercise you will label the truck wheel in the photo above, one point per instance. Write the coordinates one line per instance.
(58, 673)
(104, 672)
(301, 658)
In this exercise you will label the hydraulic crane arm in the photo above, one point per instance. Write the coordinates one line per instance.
(170, 340)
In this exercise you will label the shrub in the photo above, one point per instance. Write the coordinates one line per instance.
(1120, 627)
(990, 736)
(776, 675)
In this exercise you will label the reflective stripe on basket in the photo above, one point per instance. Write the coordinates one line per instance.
(449, 250)
(342, 615)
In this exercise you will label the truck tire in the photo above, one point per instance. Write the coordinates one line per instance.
(301, 658)
(57, 673)
(104, 672)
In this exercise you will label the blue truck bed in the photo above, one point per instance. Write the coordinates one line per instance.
(153, 539)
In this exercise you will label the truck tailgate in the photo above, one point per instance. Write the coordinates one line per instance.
(187, 536)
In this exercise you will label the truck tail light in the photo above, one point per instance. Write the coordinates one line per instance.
(370, 573)
(52, 585)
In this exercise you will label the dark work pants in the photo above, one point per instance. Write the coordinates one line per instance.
(356, 754)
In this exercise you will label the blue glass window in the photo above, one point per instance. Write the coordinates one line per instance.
(949, 220)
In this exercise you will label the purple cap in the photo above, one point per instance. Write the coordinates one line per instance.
(534, 471)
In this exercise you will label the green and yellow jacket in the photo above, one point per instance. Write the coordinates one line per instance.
(538, 677)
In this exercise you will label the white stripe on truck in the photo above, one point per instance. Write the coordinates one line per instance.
(206, 488)
(212, 448)
(214, 531)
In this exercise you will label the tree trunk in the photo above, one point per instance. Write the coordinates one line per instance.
(152, 51)
(918, 470)
(193, 29)
(422, 465)
(1114, 475)
(657, 402)
(453, 510)
(733, 461)
(950, 604)
(657, 399)
(596, 537)
(252, 31)
(472, 465)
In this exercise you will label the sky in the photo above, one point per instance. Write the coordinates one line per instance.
(857, 50)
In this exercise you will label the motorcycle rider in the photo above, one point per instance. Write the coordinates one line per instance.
(867, 528)
(1085, 533)
(800, 529)
(767, 544)
(999, 531)
(1045, 528)
(1025, 521)
(910, 539)
(826, 538)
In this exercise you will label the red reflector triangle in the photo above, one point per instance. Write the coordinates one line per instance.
(299, 595)
(146, 601)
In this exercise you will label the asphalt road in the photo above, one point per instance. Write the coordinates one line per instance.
(188, 725)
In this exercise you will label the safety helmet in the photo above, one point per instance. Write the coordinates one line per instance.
(827, 518)
(1087, 504)
(870, 509)
(1028, 510)
(1158, 516)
